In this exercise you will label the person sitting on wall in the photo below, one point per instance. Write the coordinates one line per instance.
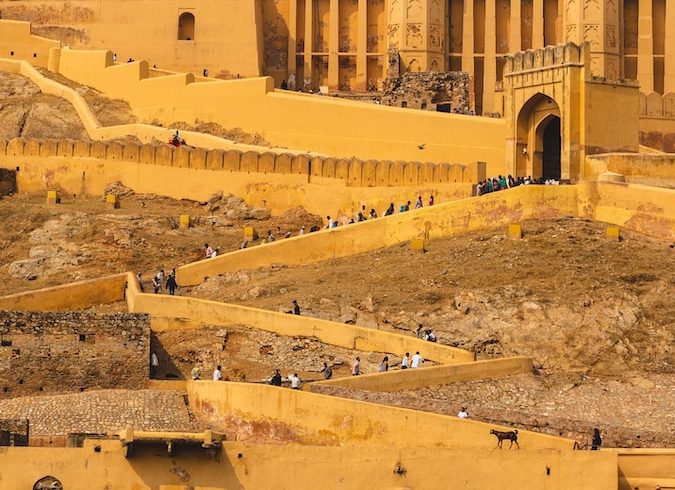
(327, 372)
(176, 140)
(390, 210)
(429, 336)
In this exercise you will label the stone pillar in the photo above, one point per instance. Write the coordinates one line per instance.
(292, 41)
(669, 79)
(333, 45)
(362, 47)
(645, 62)
(537, 24)
(490, 63)
(467, 38)
(514, 31)
(309, 42)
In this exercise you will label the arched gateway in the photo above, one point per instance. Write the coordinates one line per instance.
(556, 113)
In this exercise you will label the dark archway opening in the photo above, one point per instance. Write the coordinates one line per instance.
(186, 27)
(551, 153)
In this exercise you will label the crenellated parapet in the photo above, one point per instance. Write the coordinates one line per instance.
(352, 171)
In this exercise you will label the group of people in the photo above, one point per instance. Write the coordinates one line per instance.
(501, 182)
(157, 280)
(364, 215)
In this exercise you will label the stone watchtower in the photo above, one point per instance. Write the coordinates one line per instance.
(557, 112)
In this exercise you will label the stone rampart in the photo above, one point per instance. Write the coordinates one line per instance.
(72, 351)
(353, 172)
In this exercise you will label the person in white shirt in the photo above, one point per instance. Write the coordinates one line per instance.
(208, 251)
(405, 363)
(295, 381)
(356, 367)
(217, 374)
(416, 360)
(463, 414)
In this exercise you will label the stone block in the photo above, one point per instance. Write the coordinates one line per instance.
(214, 160)
(417, 245)
(147, 154)
(282, 163)
(515, 231)
(53, 197)
(614, 233)
(266, 163)
(184, 221)
(249, 162)
(198, 159)
(113, 201)
(232, 161)
(250, 233)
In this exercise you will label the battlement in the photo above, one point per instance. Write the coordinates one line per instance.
(657, 105)
(543, 58)
(354, 172)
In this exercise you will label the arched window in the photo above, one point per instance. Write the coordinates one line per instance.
(186, 27)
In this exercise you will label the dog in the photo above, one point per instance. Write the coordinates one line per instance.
(511, 435)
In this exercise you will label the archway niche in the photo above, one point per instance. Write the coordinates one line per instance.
(538, 124)
(186, 27)
(548, 142)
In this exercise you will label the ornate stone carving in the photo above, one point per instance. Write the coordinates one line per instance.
(413, 36)
(592, 35)
(415, 10)
(435, 36)
(610, 37)
(393, 35)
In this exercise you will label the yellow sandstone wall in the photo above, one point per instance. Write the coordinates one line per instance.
(73, 296)
(648, 210)
(181, 312)
(631, 164)
(409, 379)
(331, 126)
(648, 469)
(279, 182)
(255, 467)
(327, 420)
(146, 29)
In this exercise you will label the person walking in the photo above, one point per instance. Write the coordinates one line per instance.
(171, 284)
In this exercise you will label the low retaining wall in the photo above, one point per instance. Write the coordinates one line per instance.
(410, 379)
(630, 164)
(180, 312)
(311, 418)
(73, 296)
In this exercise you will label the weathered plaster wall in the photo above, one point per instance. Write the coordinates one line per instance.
(246, 466)
(631, 164)
(408, 379)
(59, 351)
(325, 420)
(72, 296)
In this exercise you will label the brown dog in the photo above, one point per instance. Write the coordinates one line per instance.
(511, 435)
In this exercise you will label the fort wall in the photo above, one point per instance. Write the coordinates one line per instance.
(660, 166)
(647, 210)
(410, 379)
(58, 352)
(326, 420)
(249, 466)
(277, 181)
(181, 312)
(326, 125)
(72, 296)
